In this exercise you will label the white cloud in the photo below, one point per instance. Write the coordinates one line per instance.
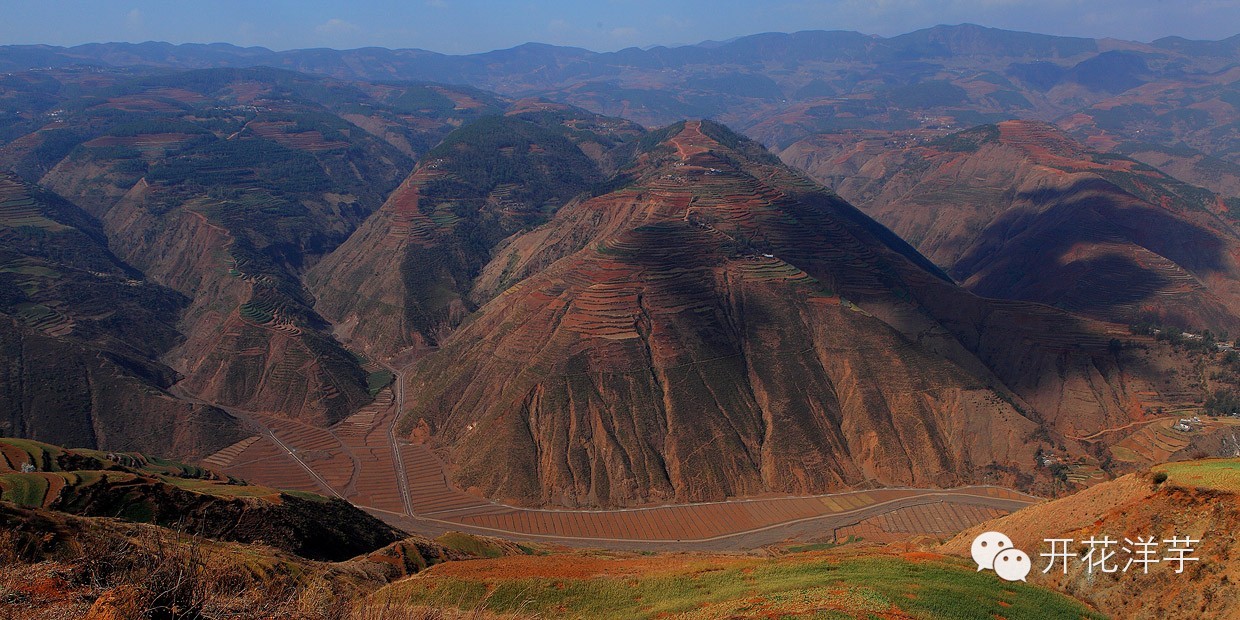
(133, 20)
(667, 22)
(336, 25)
(624, 33)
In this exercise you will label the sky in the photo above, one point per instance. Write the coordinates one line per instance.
(467, 26)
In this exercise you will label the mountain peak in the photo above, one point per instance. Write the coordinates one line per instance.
(698, 146)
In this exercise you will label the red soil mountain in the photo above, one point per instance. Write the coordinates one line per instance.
(1021, 211)
(720, 326)
(80, 333)
(403, 280)
(225, 186)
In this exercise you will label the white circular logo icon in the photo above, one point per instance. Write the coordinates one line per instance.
(987, 545)
(1012, 564)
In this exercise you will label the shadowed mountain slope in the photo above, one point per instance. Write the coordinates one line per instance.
(226, 185)
(403, 280)
(718, 325)
(80, 332)
(1021, 211)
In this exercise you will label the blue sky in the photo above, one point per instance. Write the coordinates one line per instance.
(464, 26)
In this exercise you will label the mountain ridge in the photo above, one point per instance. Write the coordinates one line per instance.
(1021, 210)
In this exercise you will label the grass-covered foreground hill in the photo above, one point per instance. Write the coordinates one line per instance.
(816, 584)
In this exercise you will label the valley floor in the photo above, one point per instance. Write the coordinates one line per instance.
(362, 460)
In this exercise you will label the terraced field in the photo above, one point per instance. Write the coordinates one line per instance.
(150, 143)
(1054, 149)
(44, 319)
(936, 519)
(1212, 474)
(18, 208)
(1086, 474)
(282, 133)
(1157, 441)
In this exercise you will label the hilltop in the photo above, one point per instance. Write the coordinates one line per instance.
(146, 489)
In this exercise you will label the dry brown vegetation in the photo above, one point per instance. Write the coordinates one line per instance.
(58, 566)
(120, 571)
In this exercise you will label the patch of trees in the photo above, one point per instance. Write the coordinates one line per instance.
(1223, 402)
(419, 98)
(928, 94)
(656, 137)
(155, 126)
(543, 165)
(721, 134)
(230, 162)
(1206, 342)
(55, 145)
(1116, 118)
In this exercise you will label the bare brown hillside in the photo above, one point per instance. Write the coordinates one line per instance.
(1019, 210)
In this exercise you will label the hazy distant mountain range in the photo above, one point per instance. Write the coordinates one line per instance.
(779, 88)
